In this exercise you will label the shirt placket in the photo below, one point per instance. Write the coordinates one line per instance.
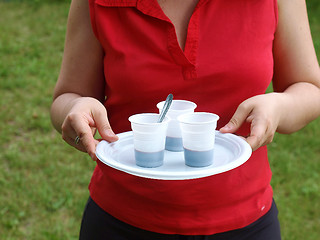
(186, 59)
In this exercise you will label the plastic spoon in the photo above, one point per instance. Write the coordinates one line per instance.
(165, 108)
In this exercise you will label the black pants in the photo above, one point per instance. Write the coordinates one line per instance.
(99, 225)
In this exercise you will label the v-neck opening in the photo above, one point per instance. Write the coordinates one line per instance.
(184, 35)
(183, 56)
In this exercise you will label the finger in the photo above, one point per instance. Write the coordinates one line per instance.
(80, 146)
(258, 133)
(69, 135)
(75, 125)
(87, 141)
(238, 118)
(103, 126)
(71, 141)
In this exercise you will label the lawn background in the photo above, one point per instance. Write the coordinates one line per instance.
(43, 182)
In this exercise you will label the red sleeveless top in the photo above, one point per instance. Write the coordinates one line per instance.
(227, 59)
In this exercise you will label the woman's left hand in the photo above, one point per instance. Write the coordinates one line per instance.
(263, 113)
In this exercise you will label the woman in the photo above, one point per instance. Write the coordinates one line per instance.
(122, 57)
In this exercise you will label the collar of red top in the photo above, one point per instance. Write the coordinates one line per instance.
(149, 7)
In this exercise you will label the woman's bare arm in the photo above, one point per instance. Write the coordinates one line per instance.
(296, 81)
(297, 71)
(77, 108)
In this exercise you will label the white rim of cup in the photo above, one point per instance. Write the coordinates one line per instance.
(215, 119)
(131, 119)
(160, 105)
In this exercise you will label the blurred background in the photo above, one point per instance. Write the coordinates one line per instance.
(43, 182)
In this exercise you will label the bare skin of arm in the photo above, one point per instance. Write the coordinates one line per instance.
(77, 108)
(296, 82)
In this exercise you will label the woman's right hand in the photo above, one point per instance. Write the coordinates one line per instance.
(86, 116)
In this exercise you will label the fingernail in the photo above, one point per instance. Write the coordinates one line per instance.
(110, 133)
(226, 127)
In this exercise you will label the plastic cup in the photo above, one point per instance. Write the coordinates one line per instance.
(198, 136)
(177, 108)
(148, 139)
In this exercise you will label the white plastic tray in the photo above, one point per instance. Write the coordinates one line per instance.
(230, 152)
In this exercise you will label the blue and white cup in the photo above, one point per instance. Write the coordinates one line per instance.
(177, 108)
(198, 136)
(149, 138)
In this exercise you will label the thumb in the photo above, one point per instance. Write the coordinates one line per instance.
(238, 118)
(103, 126)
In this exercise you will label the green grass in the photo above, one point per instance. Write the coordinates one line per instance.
(295, 164)
(43, 182)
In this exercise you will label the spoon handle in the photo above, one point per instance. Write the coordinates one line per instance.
(165, 108)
